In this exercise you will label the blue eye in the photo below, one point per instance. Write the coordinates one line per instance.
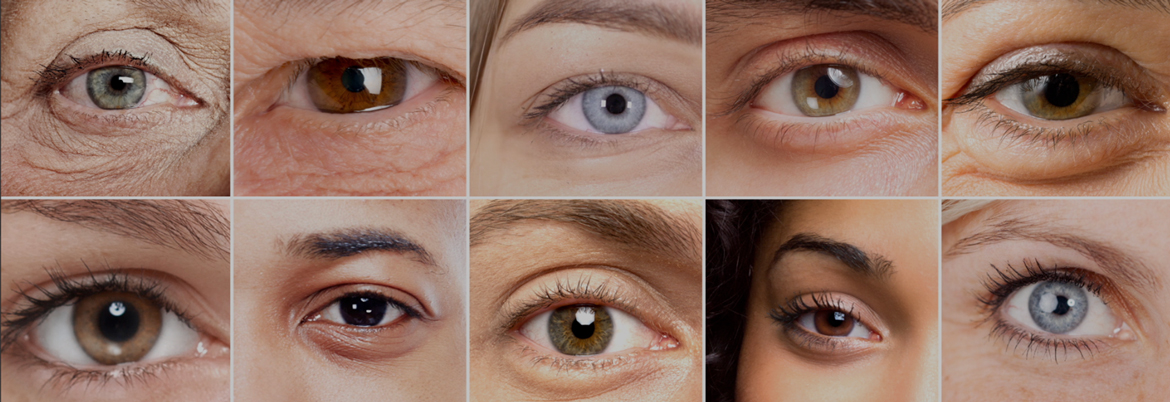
(613, 110)
(1058, 307)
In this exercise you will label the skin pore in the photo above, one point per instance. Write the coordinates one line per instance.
(296, 260)
(177, 247)
(286, 146)
(637, 258)
(1118, 247)
(57, 142)
(874, 260)
(546, 53)
(884, 143)
(989, 148)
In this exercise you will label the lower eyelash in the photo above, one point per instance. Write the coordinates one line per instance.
(1039, 345)
(1008, 129)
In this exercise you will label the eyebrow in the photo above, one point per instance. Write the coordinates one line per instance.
(353, 241)
(919, 13)
(193, 226)
(867, 264)
(672, 22)
(626, 222)
(1111, 259)
(955, 7)
(337, 7)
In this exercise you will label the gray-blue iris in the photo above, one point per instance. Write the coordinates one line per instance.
(614, 110)
(1058, 307)
(117, 87)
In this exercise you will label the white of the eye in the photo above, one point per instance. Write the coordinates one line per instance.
(1012, 97)
(333, 313)
(571, 114)
(777, 95)
(809, 322)
(628, 331)
(157, 91)
(1099, 320)
(56, 336)
(417, 81)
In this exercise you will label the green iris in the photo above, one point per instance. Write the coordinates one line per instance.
(580, 330)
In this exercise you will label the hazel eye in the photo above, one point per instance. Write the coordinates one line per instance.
(825, 90)
(1061, 97)
(112, 328)
(834, 323)
(363, 311)
(1061, 308)
(344, 85)
(584, 330)
(122, 87)
(613, 110)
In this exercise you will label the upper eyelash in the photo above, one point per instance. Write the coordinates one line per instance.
(407, 310)
(791, 311)
(562, 91)
(68, 290)
(55, 74)
(561, 290)
(789, 63)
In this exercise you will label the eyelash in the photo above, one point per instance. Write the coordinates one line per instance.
(789, 63)
(787, 315)
(66, 290)
(407, 310)
(55, 75)
(1004, 281)
(561, 92)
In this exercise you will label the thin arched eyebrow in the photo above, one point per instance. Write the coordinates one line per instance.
(952, 8)
(672, 22)
(859, 261)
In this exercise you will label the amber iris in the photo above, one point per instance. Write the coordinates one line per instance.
(825, 89)
(341, 85)
(833, 322)
(580, 330)
(1060, 96)
(116, 327)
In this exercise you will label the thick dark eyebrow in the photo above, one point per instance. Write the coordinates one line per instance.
(1006, 228)
(676, 22)
(349, 242)
(868, 264)
(955, 7)
(625, 222)
(722, 14)
(194, 226)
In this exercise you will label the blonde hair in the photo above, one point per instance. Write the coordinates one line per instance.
(485, 21)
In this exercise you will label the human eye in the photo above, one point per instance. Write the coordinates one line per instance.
(605, 105)
(122, 326)
(825, 90)
(343, 85)
(127, 83)
(828, 324)
(1056, 312)
(368, 306)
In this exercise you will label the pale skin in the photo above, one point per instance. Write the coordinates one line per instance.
(198, 283)
(1129, 365)
(417, 147)
(511, 265)
(512, 157)
(56, 145)
(1125, 152)
(889, 149)
(902, 363)
(277, 293)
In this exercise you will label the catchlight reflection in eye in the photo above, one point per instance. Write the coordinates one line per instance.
(614, 110)
(111, 328)
(585, 330)
(1061, 97)
(1062, 308)
(830, 89)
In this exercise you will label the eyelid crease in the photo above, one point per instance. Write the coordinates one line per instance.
(581, 290)
(55, 75)
(788, 313)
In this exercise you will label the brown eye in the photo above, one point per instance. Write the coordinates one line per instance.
(1060, 96)
(580, 330)
(825, 90)
(341, 85)
(116, 327)
(833, 322)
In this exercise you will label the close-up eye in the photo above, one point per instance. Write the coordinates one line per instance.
(123, 87)
(825, 90)
(613, 110)
(1061, 308)
(366, 310)
(827, 323)
(833, 323)
(343, 85)
(1061, 96)
(585, 330)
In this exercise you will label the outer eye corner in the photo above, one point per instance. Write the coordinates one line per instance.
(825, 90)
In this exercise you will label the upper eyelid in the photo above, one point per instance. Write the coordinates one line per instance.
(537, 108)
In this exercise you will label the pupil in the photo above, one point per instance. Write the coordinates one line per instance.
(353, 80)
(825, 87)
(615, 104)
(1061, 305)
(583, 331)
(118, 321)
(362, 311)
(838, 319)
(119, 82)
(1062, 90)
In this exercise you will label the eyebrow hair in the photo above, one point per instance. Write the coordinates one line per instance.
(350, 242)
(919, 13)
(626, 222)
(318, 7)
(868, 264)
(672, 22)
(955, 7)
(193, 226)
(1110, 258)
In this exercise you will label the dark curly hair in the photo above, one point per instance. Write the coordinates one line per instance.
(734, 228)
